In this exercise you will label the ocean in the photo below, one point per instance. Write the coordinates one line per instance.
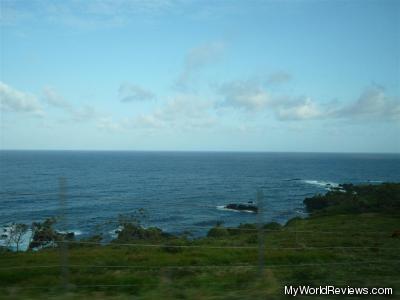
(179, 191)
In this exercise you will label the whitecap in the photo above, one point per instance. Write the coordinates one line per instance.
(326, 184)
(114, 233)
(76, 232)
(223, 207)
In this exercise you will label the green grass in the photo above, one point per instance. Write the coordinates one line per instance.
(347, 241)
(213, 273)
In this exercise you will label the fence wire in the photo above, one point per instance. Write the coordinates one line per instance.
(66, 267)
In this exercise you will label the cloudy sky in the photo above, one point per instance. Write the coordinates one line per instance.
(200, 75)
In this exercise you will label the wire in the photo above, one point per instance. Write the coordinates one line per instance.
(226, 247)
(206, 266)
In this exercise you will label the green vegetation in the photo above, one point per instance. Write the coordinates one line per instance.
(44, 234)
(15, 235)
(350, 241)
(349, 198)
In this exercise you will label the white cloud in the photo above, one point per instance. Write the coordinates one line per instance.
(183, 106)
(132, 93)
(179, 113)
(99, 14)
(145, 121)
(108, 124)
(197, 58)
(304, 109)
(79, 114)
(10, 14)
(248, 95)
(16, 101)
(84, 113)
(373, 104)
(82, 14)
(51, 97)
(251, 95)
(123, 7)
(254, 94)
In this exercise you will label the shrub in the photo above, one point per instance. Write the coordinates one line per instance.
(218, 231)
(272, 226)
(350, 198)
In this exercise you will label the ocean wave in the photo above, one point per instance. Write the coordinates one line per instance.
(326, 184)
(222, 207)
(76, 232)
(114, 233)
(293, 179)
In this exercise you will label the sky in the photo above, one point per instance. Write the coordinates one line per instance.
(301, 76)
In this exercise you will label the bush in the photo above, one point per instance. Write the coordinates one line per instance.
(44, 235)
(272, 226)
(350, 198)
(133, 232)
(218, 231)
(174, 246)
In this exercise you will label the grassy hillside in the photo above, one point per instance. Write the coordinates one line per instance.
(334, 246)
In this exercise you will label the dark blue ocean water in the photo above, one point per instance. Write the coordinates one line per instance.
(179, 190)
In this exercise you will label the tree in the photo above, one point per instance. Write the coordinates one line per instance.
(16, 234)
(43, 234)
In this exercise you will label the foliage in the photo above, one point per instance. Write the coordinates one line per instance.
(132, 232)
(136, 218)
(304, 251)
(147, 279)
(357, 199)
(44, 234)
(15, 234)
(272, 226)
(131, 229)
(218, 231)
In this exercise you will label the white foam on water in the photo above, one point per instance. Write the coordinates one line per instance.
(114, 233)
(223, 207)
(44, 246)
(5, 232)
(24, 241)
(322, 183)
(75, 231)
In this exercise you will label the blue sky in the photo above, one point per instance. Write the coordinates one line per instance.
(200, 75)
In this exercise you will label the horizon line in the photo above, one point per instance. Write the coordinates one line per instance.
(203, 151)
